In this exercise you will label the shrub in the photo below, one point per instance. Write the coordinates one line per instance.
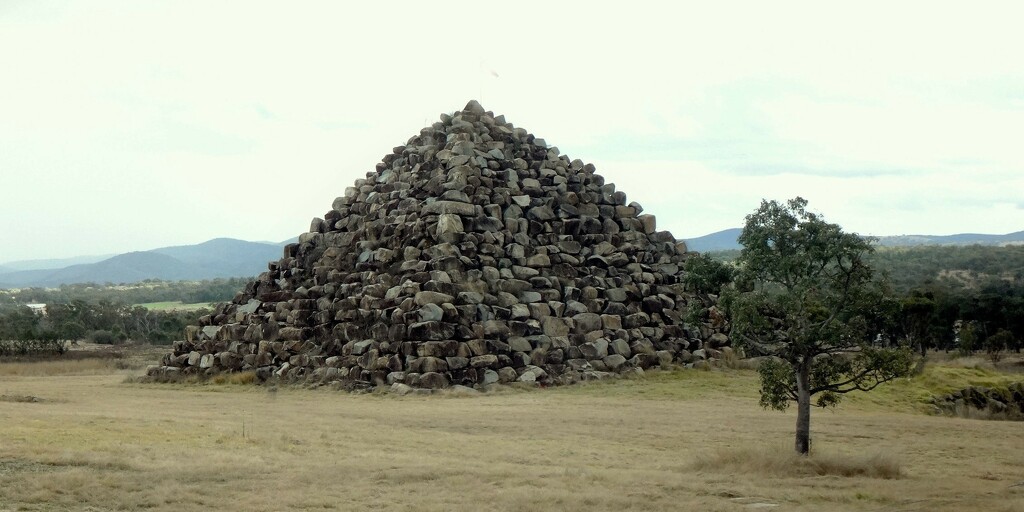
(997, 343)
(706, 275)
(28, 348)
(101, 337)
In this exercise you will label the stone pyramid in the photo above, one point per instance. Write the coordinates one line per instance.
(473, 254)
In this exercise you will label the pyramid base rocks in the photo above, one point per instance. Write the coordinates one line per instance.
(474, 254)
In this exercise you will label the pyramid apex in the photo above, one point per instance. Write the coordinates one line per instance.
(474, 107)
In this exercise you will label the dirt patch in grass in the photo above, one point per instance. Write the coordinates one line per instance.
(25, 399)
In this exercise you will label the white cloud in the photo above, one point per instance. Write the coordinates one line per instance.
(902, 133)
(133, 125)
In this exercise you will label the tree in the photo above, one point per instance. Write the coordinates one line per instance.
(804, 296)
(917, 311)
(997, 343)
(706, 275)
(967, 339)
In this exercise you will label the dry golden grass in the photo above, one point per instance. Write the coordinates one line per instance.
(85, 359)
(782, 460)
(672, 441)
(57, 367)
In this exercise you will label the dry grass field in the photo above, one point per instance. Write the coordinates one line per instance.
(175, 306)
(83, 436)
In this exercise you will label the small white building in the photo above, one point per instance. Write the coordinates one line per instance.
(39, 309)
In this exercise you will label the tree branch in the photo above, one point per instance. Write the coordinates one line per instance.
(855, 383)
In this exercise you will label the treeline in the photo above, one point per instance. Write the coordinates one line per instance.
(964, 298)
(957, 298)
(101, 322)
(989, 318)
(152, 290)
(104, 313)
(973, 266)
(953, 267)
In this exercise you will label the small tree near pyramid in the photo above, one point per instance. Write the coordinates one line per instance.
(807, 295)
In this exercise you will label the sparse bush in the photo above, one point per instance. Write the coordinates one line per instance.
(997, 343)
(32, 348)
(101, 337)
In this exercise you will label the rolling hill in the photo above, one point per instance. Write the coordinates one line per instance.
(221, 257)
(726, 240)
(227, 257)
(958, 239)
(719, 241)
(50, 264)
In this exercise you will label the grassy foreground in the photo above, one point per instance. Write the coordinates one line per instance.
(79, 436)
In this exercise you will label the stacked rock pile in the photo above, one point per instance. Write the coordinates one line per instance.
(474, 254)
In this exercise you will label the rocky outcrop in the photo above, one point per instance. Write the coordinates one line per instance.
(984, 402)
(475, 253)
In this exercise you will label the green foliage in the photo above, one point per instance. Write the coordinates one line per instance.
(19, 323)
(102, 322)
(951, 267)
(103, 337)
(863, 370)
(90, 310)
(997, 343)
(150, 290)
(810, 284)
(967, 342)
(777, 382)
(704, 274)
(917, 313)
(809, 300)
(939, 285)
(29, 347)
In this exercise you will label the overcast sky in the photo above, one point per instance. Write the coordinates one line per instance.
(135, 125)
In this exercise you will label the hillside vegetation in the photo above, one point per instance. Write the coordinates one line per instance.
(909, 268)
(938, 290)
(954, 267)
(982, 286)
(148, 291)
(151, 311)
(726, 240)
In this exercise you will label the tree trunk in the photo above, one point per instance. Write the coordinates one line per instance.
(803, 409)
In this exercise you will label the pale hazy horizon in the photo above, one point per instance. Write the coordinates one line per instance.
(128, 126)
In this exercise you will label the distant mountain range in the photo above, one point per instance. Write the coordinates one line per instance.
(13, 266)
(719, 241)
(227, 257)
(959, 239)
(726, 240)
(220, 257)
